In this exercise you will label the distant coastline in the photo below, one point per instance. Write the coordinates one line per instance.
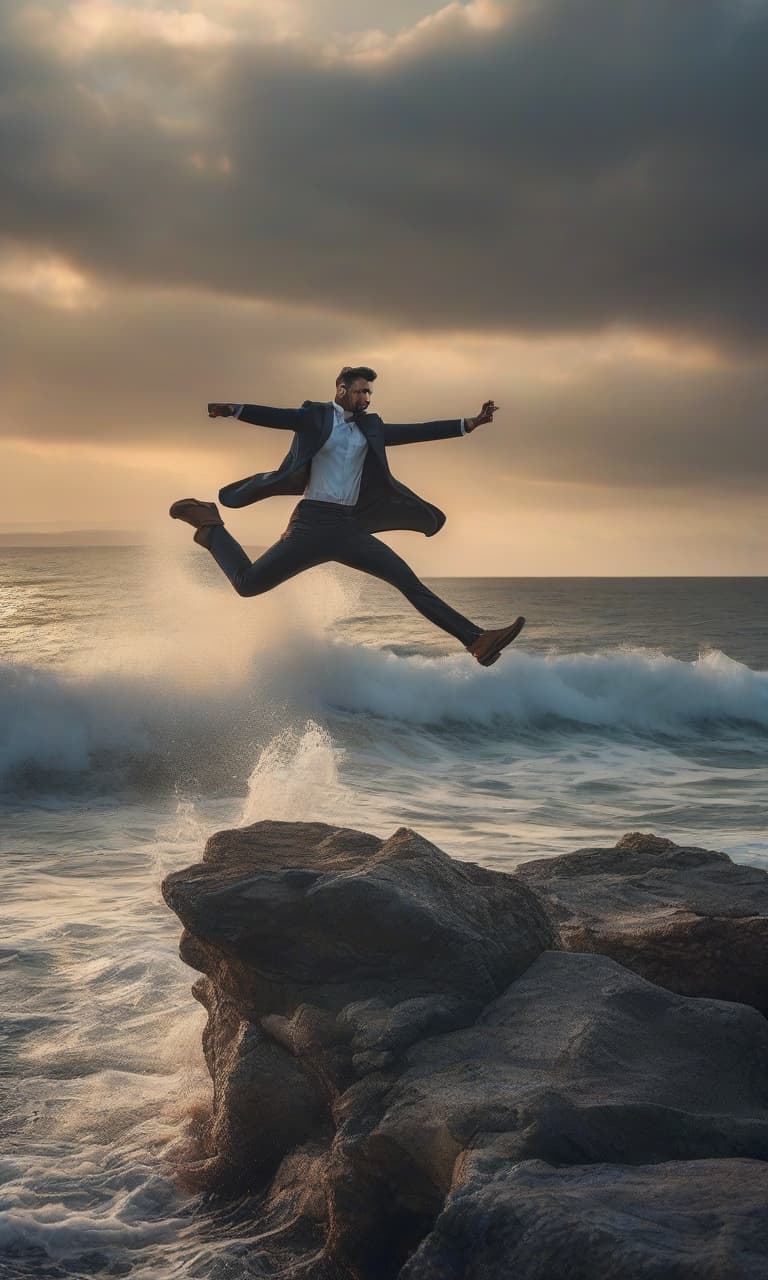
(73, 538)
(21, 539)
(84, 538)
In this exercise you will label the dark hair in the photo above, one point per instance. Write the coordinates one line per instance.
(351, 372)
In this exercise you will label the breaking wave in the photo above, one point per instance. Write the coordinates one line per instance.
(160, 729)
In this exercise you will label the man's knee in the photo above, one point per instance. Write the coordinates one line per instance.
(410, 585)
(245, 588)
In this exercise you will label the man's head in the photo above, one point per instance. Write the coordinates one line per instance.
(353, 387)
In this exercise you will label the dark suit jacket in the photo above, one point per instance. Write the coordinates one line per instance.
(384, 502)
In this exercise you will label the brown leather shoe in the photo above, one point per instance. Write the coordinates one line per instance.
(197, 513)
(489, 644)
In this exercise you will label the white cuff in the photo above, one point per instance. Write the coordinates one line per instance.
(238, 410)
(463, 426)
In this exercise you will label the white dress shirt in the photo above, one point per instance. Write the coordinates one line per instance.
(337, 469)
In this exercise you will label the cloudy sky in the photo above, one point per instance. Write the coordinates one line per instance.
(562, 204)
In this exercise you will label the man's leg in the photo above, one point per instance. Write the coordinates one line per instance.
(363, 551)
(315, 532)
(318, 532)
(291, 554)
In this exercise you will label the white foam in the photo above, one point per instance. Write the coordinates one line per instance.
(296, 778)
(60, 720)
(634, 689)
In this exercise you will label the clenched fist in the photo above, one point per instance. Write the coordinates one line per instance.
(221, 410)
(485, 415)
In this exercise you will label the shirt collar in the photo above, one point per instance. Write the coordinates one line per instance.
(342, 415)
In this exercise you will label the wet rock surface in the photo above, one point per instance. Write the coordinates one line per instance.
(341, 950)
(691, 1220)
(425, 1077)
(687, 918)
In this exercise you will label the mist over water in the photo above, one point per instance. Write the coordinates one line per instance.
(143, 705)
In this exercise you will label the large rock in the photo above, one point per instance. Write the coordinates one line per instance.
(433, 1093)
(686, 918)
(264, 1103)
(341, 949)
(579, 1062)
(691, 1220)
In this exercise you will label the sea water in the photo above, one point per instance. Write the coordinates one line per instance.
(143, 705)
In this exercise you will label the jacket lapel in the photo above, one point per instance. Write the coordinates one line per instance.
(370, 425)
(326, 423)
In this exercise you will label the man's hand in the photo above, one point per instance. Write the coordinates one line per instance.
(485, 415)
(221, 410)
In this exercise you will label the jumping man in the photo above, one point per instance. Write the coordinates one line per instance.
(338, 461)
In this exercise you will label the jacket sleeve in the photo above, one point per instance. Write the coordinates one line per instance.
(262, 415)
(420, 432)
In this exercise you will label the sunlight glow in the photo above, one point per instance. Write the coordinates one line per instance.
(47, 278)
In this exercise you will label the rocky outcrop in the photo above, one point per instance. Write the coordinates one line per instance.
(691, 1220)
(326, 953)
(578, 1062)
(424, 1086)
(687, 918)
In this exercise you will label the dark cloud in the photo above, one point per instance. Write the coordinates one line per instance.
(647, 430)
(584, 163)
(139, 370)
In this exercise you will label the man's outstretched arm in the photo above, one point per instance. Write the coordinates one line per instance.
(421, 432)
(261, 415)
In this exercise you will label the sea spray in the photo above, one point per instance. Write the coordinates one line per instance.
(296, 778)
(193, 631)
(211, 734)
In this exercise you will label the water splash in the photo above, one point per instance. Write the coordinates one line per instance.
(296, 779)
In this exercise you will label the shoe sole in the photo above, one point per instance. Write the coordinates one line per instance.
(509, 635)
(177, 509)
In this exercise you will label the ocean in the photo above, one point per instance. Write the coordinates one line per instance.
(143, 706)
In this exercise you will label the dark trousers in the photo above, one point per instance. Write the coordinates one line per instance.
(321, 531)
